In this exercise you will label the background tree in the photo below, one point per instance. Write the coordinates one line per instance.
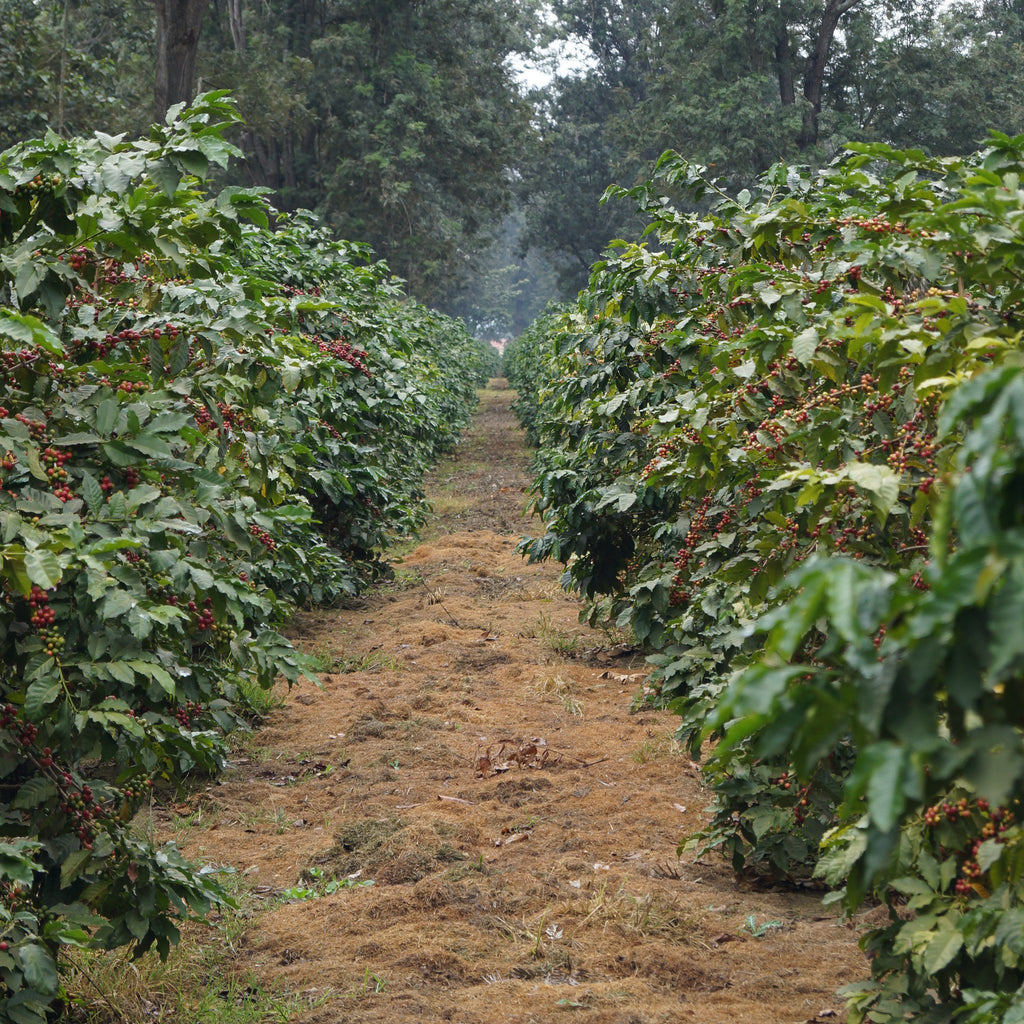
(510, 287)
(582, 129)
(740, 84)
(403, 122)
(398, 121)
(178, 25)
(72, 66)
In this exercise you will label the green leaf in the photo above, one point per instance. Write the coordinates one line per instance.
(106, 416)
(40, 693)
(1006, 612)
(73, 866)
(35, 791)
(17, 862)
(120, 454)
(148, 444)
(179, 355)
(202, 578)
(995, 765)
(43, 568)
(944, 944)
(166, 176)
(93, 493)
(12, 559)
(39, 968)
(34, 465)
(194, 162)
(117, 603)
(29, 330)
(883, 764)
(805, 344)
(880, 482)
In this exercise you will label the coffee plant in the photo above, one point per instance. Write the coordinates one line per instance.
(758, 415)
(524, 365)
(929, 818)
(208, 413)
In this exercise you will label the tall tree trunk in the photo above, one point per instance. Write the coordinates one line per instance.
(784, 66)
(178, 23)
(237, 27)
(817, 61)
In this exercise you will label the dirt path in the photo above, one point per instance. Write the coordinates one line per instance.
(471, 753)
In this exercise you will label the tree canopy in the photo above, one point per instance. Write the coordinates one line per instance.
(403, 122)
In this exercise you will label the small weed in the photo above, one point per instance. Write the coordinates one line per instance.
(276, 819)
(322, 886)
(246, 744)
(325, 661)
(561, 641)
(525, 826)
(257, 700)
(193, 985)
(561, 690)
(405, 579)
(646, 914)
(203, 816)
(322, 660)
(759, 931)
(653, 748)
(375, 661)
(371, 983)
(537, 951)
(466, 868)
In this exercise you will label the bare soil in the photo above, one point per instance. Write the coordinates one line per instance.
(471, 752)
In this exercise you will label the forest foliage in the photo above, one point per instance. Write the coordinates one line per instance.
(407, 124)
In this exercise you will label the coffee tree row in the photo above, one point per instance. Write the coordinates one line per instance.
(203, 420)
(803, 404)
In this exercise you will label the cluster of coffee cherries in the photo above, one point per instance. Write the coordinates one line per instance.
(879, 225)
(106, 345)
(8, 462)
(341, 349)
(41, 184)
(78, 259)
(36, 428)
(43, 619)
(263, 537)
(42, 614)
(204, 617)
(990, 822)
(26, 732)
(187, 712)
(77, 802)
(678, 594)
(54, 460)
(205, 421)
(669, 447)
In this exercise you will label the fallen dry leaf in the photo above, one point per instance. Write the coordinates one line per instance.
(515, 837)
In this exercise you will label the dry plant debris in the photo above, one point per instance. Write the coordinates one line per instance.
(524, 859)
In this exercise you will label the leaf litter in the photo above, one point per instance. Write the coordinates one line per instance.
(517, 849)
